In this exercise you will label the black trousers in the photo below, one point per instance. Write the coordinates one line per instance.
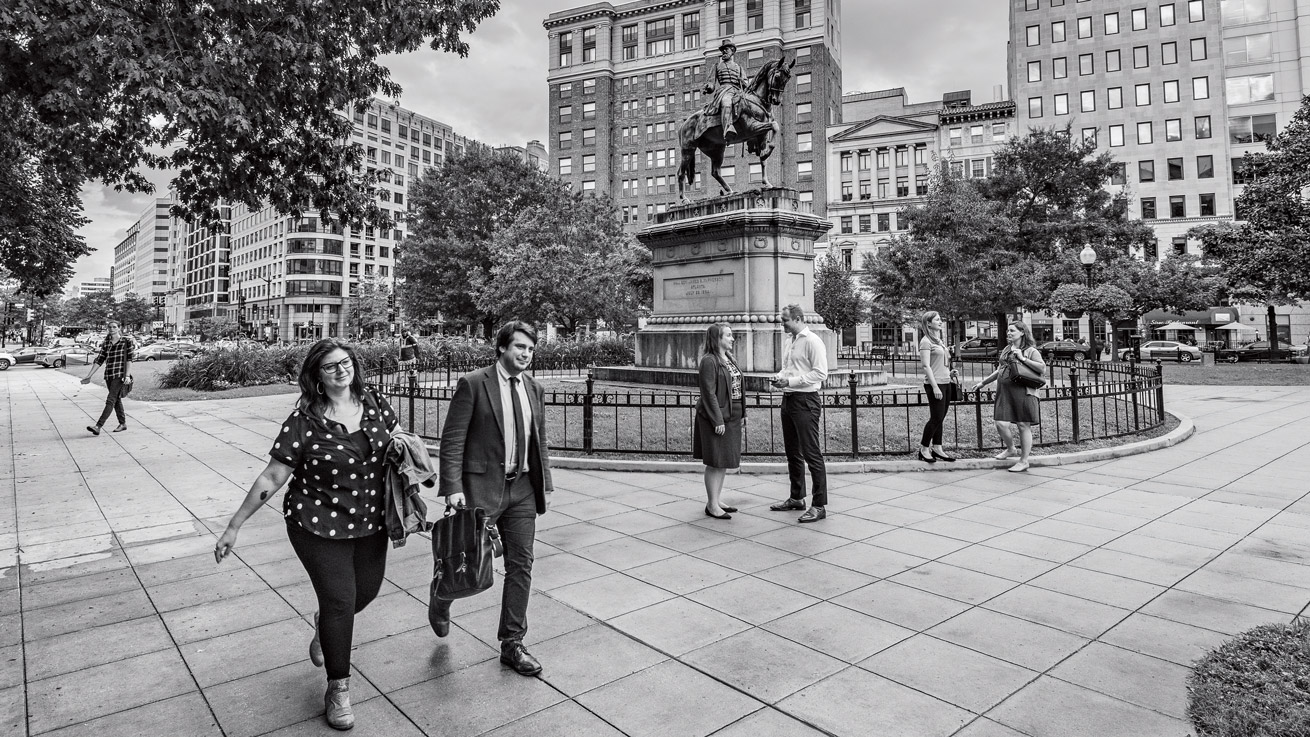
(517, 523)
(114, 402)
(932, 432)
(800, 437)
(346, 575)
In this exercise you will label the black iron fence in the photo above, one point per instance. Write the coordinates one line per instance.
(1083, 401)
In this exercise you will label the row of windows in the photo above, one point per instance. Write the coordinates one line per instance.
(1174, 170)
(1114, 60)
(977, 134)
(1110, 22)
(1173, 129)
(402, 131)
(565, 140)
(884, 187)
(566, 112)
(1178, 206)
(866, 224)
(1114, 97)
(565, 89)
(1235, 12)
(883, 156)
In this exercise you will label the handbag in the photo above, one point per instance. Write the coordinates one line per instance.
(463, 545)
(954, 392)
(128, 383)
(1025, 376)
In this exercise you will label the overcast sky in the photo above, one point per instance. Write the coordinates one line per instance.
(497, 94)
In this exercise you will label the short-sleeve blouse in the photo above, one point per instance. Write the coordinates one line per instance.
(337, 481)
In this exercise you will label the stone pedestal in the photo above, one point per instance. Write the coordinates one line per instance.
(738, 259)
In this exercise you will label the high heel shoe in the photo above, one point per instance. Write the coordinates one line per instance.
(725, 515)
(926, 458)
(942, 457)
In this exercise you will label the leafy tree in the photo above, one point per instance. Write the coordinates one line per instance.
(242, 99)
(134, 313)
(568, 262)
(457, 211)
(1264, 257)
(218, 326)
(92, 310)
(836, 298)
(368, 306)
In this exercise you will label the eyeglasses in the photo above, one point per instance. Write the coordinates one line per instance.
(340, 367)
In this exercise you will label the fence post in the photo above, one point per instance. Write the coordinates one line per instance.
(1137, 417)
(587, 444)
(977, 416)
(1073, 405)
(855, 416)
(1159, 389)
(413, 389)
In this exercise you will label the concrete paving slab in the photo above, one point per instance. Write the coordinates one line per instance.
(753, 599)
(85, 648)
(1051, 707)
(678, 626)
(856, 702)
(1028, 644)
(837, 631)
(565, 719)
(955, 674)
(1138, 679)
(83, 695)
(591, 657)
(186, 714)
(639, 704)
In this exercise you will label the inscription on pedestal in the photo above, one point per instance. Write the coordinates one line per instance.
(699, 287)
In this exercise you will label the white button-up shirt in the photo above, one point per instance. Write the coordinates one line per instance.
(805, 364)
(507, 411)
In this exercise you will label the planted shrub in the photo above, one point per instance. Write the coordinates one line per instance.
(1255, 685)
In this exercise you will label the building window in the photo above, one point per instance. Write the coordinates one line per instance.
(1148, 208)
(588, 163)
(866, 226)
(803, 83)
(1205, 167)
(803, 112)
(1030, 5)
(1118, 173)
(1195, 11)
(804, 142)
(566, 166)
(565, 140)
(1252, 88)
(690, 31)
(1111, 24)
(1177, 206)
(1141, 57)
(865, 160)
(1200, 88)
(1057, 32)
(802, 14)
(754, 15)
(847, 191)
(1085, 65)
(1116, 135)
(1114, 98)
(1173, 129)
(1171, 93)
(921, 184)
(1034, 107)
(588, 45)
(629, 35)
(589, 137)
(1207, 205)
(998, 132)
(1088, 101)
(1202, 126)
(1139, 19)
(565, 113)
(1167, 14)
(1252, 128)
(1034, 35)
(1169, 53)
(884, 222)
(727, 8)
(882, 189)
(804, 170)
(847, 224)
(1146, 171)
(566, 48)
(902, 186)
(1201, 52)
(589, 185)
(902, 157)
(1237, 12)
(846, 161)
(1112, 61)
(885, 157)
(1175, 169)
(1034, 71)
(588, 111)
(659, 36)
(1145, 133)
(1085, 27)
(1142, 93)
(1059, 67)
(588, 87)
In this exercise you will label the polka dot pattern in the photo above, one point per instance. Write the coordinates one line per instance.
(322, 506)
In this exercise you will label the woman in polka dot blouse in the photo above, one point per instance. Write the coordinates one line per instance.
(331, 449)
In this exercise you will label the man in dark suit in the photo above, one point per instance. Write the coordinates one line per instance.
(493, 456)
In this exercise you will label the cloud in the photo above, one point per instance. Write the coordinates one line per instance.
(498, 94)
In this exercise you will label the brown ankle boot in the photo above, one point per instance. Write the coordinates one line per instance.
(336, 704)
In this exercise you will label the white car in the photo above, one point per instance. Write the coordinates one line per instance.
(1162, 349)
(6, 361)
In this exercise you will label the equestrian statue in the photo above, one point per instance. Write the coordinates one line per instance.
(737, 111)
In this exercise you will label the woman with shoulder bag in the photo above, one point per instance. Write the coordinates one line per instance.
(938, 385)
(719, 414)
(332, 449)
(1016, 404)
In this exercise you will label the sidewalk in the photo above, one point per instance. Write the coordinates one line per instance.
(1064, 602)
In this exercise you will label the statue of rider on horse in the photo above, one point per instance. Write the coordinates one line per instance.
(737, 111)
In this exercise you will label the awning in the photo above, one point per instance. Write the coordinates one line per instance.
(1174, 326)
(1236, 326)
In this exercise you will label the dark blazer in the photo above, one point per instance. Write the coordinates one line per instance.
(716, 391)
(472, 453)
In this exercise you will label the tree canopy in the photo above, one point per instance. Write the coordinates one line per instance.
(836, 297)
(243, 99)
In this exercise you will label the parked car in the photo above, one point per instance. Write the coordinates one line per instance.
(1065, 349)
(61, 357)
(978, 349)
(163, 352)
(1260, 351)
(1164, 350)
(6, 361)
(29, 354)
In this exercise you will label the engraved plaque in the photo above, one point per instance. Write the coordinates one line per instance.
(699, 287)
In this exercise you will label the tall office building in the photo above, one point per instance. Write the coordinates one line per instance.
(623, 77)
(141, 258)
(1147, 82)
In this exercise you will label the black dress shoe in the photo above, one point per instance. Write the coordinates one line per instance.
(813, 514)
(513, 654)
(788, 505)
(725, 515)
(94, 429)
(439, 617)
(729, 510)
(927, 458)
(941, 457)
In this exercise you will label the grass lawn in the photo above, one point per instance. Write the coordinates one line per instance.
(1237, 374)
(147, 389)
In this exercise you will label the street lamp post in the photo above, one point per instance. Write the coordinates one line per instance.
(1088, 258)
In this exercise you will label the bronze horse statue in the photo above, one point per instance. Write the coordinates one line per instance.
(754, 123)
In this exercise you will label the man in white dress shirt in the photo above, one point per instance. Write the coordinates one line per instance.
(804, 369)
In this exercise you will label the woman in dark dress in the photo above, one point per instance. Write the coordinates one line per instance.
(332, 449)
(719, 414)
(1015, 404)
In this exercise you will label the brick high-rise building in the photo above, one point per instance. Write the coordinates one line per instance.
(623, 77)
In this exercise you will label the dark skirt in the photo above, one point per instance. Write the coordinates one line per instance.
(1014, 403)
(717, 451)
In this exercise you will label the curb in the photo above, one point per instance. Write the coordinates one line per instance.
(1186, 428)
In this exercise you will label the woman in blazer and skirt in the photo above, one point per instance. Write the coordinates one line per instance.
(719, 414)
(1016, 404)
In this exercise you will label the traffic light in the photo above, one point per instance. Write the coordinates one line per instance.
(391, 301)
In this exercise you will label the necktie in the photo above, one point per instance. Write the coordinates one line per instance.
(520, 432)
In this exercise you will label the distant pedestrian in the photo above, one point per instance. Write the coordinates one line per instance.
(332, 449)
(116, 354)
(408, 352)
(937, 385)
(719, 415)
(1015, 404)
(804, 369)
(493, 456)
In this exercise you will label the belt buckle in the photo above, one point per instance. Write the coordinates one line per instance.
(512, 476)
